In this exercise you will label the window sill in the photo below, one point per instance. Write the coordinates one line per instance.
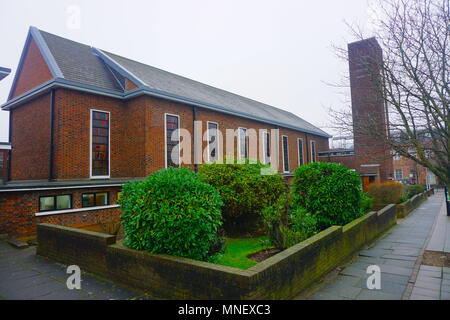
(49, 213)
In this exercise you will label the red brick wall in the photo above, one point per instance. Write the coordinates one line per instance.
(17, 211)
(137, 135)
(349, 160)
(368, 109)
(130, 85)
(30, 140)
(34, 71)
(407, 165)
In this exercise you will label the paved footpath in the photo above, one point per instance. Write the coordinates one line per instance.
(399, 255)
(23, 276)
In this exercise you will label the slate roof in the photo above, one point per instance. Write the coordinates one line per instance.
(80, 63)
(165, 81)
(4, 72)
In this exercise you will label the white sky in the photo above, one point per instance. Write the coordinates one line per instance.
(276, 52)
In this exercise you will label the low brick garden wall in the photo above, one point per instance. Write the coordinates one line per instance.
(279, 277)
(404, 208)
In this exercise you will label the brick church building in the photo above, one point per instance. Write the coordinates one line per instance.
(84, 121)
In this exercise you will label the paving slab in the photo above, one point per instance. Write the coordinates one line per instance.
(430, 274)
(23, 276)
(398, 254)
(419, 297)
(427, 285)
(367, 294)
(425, 292)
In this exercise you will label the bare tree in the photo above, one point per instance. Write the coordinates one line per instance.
(413, 83)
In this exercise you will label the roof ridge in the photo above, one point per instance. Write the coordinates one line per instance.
(205, 84)
(172, 83)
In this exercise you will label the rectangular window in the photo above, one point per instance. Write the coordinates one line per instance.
(313, 151)
(242, 144)
(213, 141)
(94, 199)
(172, 124)
(285, 154)
(398, 174)
(61, 202)
(99, 144)
(266, 147)
(300, 151)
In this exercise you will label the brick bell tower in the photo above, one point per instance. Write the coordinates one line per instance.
(373, 159)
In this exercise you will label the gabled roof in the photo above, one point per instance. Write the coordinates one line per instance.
(93, 68)
(4, 72)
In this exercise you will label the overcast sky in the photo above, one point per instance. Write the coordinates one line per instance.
(276, 52)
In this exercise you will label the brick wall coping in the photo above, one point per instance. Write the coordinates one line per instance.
(39, 185)
(49, 213)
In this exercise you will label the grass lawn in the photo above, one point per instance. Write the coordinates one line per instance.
(237, 250)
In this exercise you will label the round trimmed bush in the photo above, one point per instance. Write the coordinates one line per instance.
(171, 212)
(244, 192)
(329, 191)
(385, 193)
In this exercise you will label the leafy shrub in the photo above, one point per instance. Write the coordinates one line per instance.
(286, 228)
(275, 221)
(366, 202)
(411, 190)
(385, 193)
(303, 222)
(171, 212)
(329, 191)
(244, 192)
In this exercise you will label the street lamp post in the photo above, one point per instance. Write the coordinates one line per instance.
(447, 201)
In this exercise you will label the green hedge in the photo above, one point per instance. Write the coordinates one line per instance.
(411, 190)
(171, 212)
(244, 192)
(285, 226)
(329, 191)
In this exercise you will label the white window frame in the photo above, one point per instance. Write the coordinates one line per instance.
(282, 150)
(313, 155)
(397, 156)
(265, 141)
(239, 143)
(396, 177)
(90, 144)
(217, 140)
(165, 138)
(298, 152)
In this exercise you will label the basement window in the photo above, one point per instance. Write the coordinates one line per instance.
(51, 203)
(94, 199)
